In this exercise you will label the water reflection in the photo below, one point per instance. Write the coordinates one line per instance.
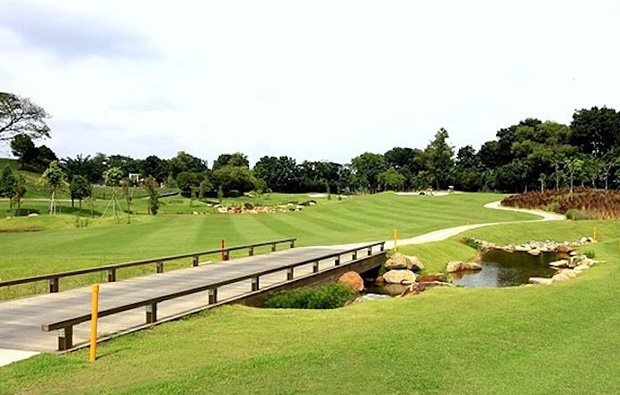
(502, 269)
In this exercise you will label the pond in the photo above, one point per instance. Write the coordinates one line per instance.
(503, 269)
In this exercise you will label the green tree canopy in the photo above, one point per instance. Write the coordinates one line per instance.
(18, 115)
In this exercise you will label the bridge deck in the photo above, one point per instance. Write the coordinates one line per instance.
(21, 319)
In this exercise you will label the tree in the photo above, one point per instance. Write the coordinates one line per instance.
(280, 173)
(8, 185)
(79, 189)
(18, 115)
(151, 187)
(20, 191)
(573, 166)
(154, 167)
(391, 179)
(128, 193)
(204, 188)
(53, 178)
(236, 159)
(439, 158)
(234, 178)
(76, 167)
(366, 170)
(186, 181)
(596, 131)
(592, 169)
(24, 149)
(185, 162)
(112, 178)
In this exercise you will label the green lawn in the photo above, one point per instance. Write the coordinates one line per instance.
(536, 340)
(355, 219)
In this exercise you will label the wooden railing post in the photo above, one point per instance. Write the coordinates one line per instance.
(290, 273)
(54, 286)
(195, 260)
(382, 247)
(354, 256)
(337, 260)
(293, 243)
(213, 296)
(273, 247)
(111, 275)
(315, 267)
(251, 253)
(369, 251)
(160, 267)
(65, 338)
(151, 313)
(255, 284)
(226, 255)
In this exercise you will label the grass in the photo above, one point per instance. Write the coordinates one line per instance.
(519, 340)
(355, 219)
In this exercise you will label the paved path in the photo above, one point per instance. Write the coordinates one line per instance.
(21, 337)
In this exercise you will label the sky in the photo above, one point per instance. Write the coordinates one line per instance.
(316, 80)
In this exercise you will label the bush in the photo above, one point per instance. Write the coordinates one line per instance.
(591, 254)
(580, 215)
(329, 296)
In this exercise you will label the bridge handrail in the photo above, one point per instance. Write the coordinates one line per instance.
(111, 269)
(151, 303)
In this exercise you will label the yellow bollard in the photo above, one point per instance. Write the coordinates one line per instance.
(93, 323)
(594, 231)
(395, 239)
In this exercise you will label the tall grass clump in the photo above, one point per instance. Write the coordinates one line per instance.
(331, 296)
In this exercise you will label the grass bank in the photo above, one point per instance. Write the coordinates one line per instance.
(520, 340)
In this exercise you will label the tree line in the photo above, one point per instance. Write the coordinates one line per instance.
(531, 154)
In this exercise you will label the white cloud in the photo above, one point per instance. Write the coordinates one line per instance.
(319, 80)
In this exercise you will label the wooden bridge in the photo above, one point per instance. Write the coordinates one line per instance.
(59, 321)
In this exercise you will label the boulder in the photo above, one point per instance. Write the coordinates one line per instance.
(560, 277)
(508, 249)
(417, 288)
(33, 215)
(534, 252)
(416, 265)
(398, 261)
(582, 267)
(353, 280)
(379, 280)
(560, 263)
(564, 249)
(429, 278)
(458, 266)
(540, 281)
(568, 273)
(399, 277)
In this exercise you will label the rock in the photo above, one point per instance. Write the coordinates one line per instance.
(415, 263)
(399, 277)
(367, 297)
(353, 280)
(457, 266)
(540, 281)
(564, 249)
(582, 267)
(568, 273)
(560, 263)
(379, 280)
(508, 249)
(417, 288)
(397, 261)
(560, 277)
(522, 248)
(534, 252)
(429, 278)
(33, 215)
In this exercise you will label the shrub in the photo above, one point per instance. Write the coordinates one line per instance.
(471, 242)
(329, 296)
(591, 254)
(578, 215)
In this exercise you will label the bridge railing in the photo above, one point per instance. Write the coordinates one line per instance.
(65, 327)
(54, 278)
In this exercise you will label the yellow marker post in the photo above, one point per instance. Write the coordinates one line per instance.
(594, 231)
(395, 239)
(93, 323)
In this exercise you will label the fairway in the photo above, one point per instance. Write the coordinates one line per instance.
(519, 340)
(351, 220)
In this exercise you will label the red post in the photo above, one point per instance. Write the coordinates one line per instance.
(223, 248)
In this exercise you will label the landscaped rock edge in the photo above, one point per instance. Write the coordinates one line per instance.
(532, 248)
(567, 269)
